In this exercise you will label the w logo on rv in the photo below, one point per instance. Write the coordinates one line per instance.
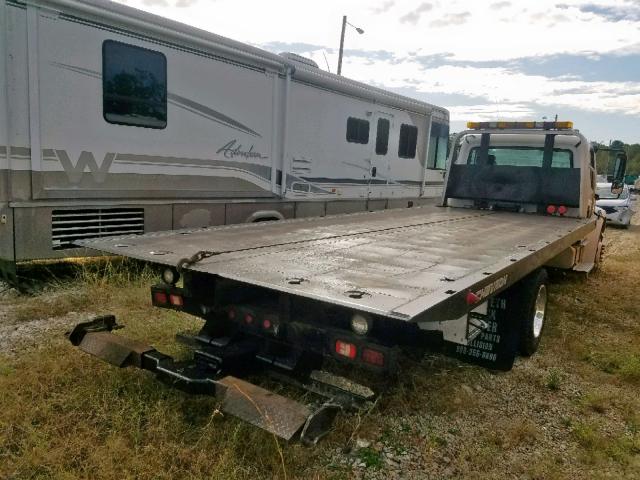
(86, 162)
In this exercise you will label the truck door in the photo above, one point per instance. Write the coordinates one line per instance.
(380, 171)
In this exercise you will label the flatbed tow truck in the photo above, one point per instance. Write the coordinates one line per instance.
(284, 297)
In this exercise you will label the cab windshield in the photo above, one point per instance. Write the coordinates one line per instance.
(522, 157)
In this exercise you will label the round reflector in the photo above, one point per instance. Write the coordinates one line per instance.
(360, 324)
(170, 276)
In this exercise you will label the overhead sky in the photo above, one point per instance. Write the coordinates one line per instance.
(483, 60)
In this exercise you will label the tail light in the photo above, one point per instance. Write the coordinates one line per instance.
(266, 324)
(160, 298)
(472, 298)
(248, 319)
(562, 209)
(551, 209)
(346, 349)
(176, 300)
(231, 314)
(373, 357)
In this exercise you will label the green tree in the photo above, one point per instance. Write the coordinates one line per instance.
(604, 157)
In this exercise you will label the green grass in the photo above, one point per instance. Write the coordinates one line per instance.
(370, 457)
(554, 379)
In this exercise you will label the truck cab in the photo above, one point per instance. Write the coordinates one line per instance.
(545, 168)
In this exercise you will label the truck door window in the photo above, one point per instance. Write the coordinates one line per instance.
(134, 85)
(438, 146)
(408, 141)
(382, 136)
(357, 130)
(522, 157)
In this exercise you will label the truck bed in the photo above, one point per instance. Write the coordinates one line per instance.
(416, 264)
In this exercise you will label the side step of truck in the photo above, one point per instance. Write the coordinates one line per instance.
(269, 411)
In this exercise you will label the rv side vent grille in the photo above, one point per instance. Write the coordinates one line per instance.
(68, 226)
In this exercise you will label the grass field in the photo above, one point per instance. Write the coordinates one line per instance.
(571, 411)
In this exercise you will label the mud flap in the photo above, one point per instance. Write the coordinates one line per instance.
(497, 346)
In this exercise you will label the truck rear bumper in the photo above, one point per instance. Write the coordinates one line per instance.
(279, 415)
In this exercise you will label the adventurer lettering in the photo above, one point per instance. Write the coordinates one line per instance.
(231, 150)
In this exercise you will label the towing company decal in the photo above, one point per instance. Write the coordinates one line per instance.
(492, 288)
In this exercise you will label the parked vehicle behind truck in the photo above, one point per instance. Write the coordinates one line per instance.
(618, 207)
(292, 298)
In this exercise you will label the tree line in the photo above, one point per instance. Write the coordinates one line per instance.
(632, 151)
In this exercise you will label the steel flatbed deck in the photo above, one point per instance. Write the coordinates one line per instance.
(416, 264)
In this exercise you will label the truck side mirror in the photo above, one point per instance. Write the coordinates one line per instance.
(619, 169)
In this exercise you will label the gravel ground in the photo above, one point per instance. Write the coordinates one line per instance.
(16, 336)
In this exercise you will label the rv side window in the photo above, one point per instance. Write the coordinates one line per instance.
(134, 85)
(382, 136)
(357, 130)
(408, 141)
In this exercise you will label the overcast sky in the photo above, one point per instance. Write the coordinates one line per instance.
(483, 60)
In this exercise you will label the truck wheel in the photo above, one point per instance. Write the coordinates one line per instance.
(531, 310)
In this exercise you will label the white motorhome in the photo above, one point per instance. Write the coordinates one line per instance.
(116, 121)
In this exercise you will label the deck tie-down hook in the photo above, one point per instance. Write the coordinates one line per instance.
(195, 258)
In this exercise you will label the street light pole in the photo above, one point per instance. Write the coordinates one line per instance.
(344, 26)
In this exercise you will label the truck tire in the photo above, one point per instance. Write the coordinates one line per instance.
(530, 310)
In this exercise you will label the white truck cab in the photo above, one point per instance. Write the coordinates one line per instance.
(531, 167)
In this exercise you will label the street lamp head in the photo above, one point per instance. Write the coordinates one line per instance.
(359, 30)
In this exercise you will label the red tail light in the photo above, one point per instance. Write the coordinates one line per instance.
(231, 313)
(562, 209)
(472, 298)
(176, 300)
(160, 298)
(248, 319)
(373, 357)
(266, 324)
(551, 209)
(346, 349)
